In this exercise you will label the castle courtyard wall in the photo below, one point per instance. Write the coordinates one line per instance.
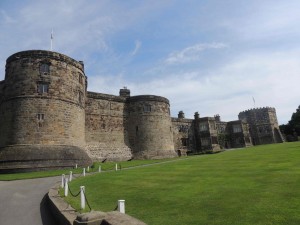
(105, 127)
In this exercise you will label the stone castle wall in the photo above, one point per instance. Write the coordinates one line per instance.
(43, 107)
(239, 136)
(263, 125)
(183, 135)
(149, 127)
(105, 126)
(48, 119)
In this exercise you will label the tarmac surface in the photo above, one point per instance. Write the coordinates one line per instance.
(23, 202)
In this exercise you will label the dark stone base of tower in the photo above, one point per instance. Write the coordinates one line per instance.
(25, 158)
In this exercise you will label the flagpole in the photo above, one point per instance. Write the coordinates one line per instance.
(51, 41)
(253, 101)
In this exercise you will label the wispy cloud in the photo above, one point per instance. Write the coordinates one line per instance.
(138, 44)
(192, 53)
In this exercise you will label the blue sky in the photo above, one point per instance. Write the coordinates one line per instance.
(209, 56)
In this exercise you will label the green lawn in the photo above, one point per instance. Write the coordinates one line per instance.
(258, 185)
(94, 168)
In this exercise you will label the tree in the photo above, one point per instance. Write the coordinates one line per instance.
(295, 121)
(291, 130)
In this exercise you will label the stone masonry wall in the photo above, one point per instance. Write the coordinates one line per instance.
(150, 128)
(55, 116)
(263, 125)
(183, 135)
(43, 105)
(106, 133)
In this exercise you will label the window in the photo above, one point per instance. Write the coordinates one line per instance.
(237, 128)
(40, 116)
(147, 108)
(44, 68)
(203, 127)
(80, 78)
(42, 88)
(183, 128)
(40, 119)
(80, 97)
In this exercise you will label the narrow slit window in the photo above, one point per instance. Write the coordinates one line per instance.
(80, 97)
(80, 78)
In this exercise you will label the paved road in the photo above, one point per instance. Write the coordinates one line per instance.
(22, 202)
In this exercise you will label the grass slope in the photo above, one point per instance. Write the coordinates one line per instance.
(258, 185)
(94, 168)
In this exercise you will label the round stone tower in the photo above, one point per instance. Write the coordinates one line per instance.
(150, 128)
(42, 112)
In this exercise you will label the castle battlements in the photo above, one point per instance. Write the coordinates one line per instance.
(259, 109)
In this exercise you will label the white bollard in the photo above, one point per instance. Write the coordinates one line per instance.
(82, 198)
(121, 206)
(76, 166)
(71, 176)
(62, 180)
(66, 187)
(88, 168)
(116, 167)
(99, 170)
(84, 172)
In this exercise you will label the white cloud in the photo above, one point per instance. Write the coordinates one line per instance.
(138, 44)
(191, 53)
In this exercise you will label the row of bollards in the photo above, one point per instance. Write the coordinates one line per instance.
(65, 185)
(83, 173)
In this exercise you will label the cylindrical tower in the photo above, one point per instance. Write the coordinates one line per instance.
(149, 127)
(42, 115)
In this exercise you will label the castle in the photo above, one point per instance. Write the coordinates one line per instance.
(48, 119)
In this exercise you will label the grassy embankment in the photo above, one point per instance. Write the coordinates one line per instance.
(257, 185)
(94, 168)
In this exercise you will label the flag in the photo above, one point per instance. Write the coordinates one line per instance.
(52, 34)
(253, 100)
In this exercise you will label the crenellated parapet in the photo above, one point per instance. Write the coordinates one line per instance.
(267, 108)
